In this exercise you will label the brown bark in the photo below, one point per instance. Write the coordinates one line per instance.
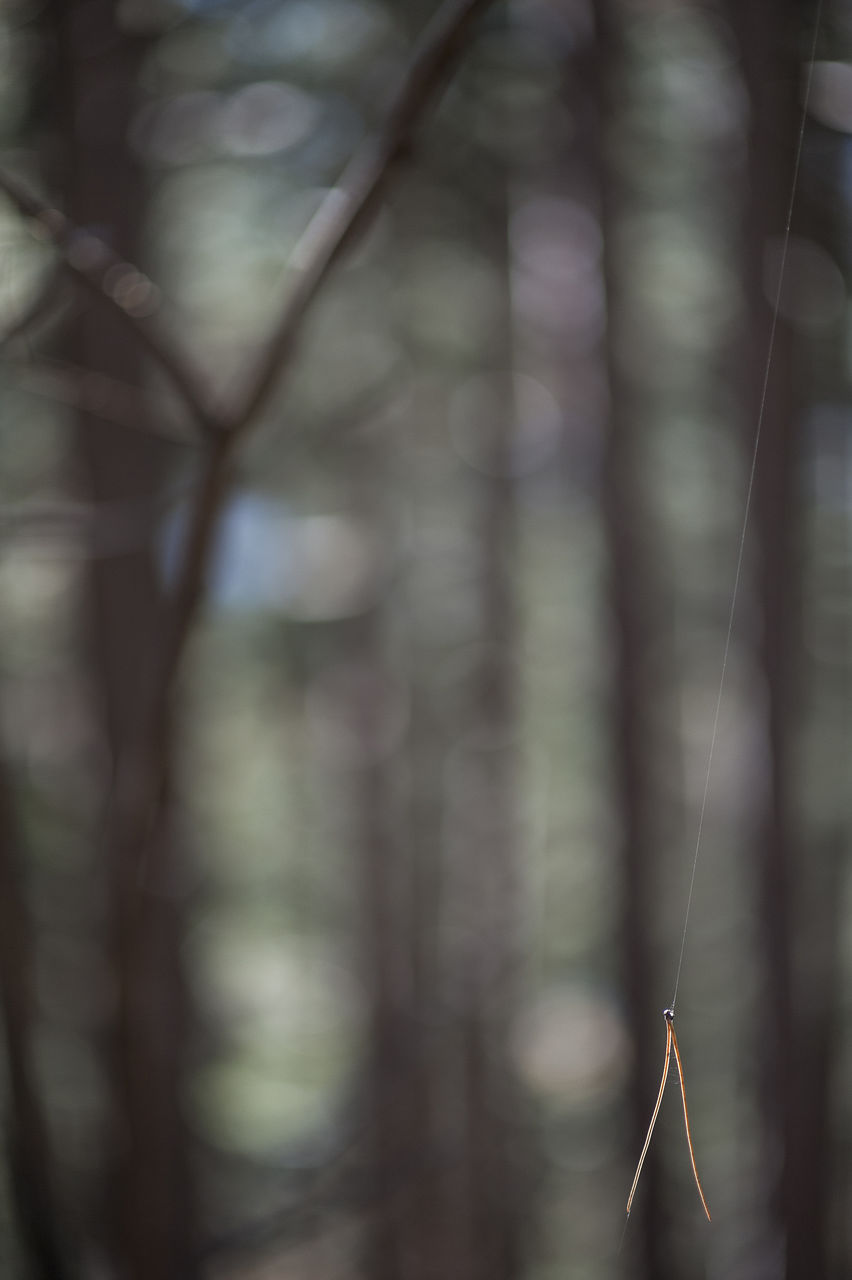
(800, 871)
(632, 609)
(771, 77)
(32, 1172)
(488, 842)
(148, 1198)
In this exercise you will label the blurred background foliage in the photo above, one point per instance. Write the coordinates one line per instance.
(441, 730)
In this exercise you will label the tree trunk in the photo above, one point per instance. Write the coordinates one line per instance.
(31, 1169)
(800, 871)
(771, 78)
(631, 602)
(147, 1196)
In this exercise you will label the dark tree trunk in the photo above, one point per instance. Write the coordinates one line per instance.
(31, 1168)
(631, 601)
(446, 1102)
(391, 1117)
(628, 601)
(801, 870)
(772, 81)
(490, 832)
(150, 1237)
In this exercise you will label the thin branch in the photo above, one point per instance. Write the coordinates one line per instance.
(40, 310)
(93, 393)
(123, 286)
(109, 528)
(348, 207)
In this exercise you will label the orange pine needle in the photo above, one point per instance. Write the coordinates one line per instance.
(654, 1116)
(669, 1017)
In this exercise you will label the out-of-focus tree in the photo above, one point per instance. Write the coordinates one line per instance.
(148, 1226)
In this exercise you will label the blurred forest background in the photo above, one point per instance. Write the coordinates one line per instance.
(367, 549)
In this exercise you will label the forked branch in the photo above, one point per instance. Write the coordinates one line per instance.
(328, 235)
(344, 212)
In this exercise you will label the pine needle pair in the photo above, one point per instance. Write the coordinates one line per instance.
(671, 1041)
